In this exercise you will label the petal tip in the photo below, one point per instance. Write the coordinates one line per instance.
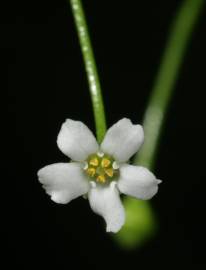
(114, 228)
(123, 139)
(76, 140)
(110, 230)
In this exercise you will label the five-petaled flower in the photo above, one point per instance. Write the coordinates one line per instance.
(99, 172)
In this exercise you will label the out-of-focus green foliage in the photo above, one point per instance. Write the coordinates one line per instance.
(140, 224)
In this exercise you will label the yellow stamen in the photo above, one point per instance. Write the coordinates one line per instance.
(105, 162)
(91, 171)
(94, 162)
(109, 172)
(101, 178)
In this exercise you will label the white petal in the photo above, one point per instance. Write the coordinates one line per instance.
(106, 202)
(123, 140)
(63, 181)
(76, 140)
(138, 182)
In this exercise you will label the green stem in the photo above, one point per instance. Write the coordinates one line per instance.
(141, 223)
(90, 67)
(180, 33)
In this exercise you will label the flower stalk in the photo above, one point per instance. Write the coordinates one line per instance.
(164, 85)
(90, 67)
(141, 227)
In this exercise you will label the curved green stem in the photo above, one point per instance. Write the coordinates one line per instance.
(90, 67)
(180, 33)
(141, 223)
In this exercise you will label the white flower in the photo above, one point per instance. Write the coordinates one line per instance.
(100, 172)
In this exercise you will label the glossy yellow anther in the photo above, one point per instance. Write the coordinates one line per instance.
(109, 172)
(94, 162)
(101, 178)
(105, 162)
(99, 168)
(91, 171)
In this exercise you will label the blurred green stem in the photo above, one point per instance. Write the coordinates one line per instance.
(141, 223)
(179, 35)
(90, 67)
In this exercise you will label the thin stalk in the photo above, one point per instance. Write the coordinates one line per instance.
(141, 223)
(180, 33)
(90, 67)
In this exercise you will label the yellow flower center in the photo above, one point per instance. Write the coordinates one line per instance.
(100, 168)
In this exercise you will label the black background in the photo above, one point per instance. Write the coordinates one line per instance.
(46, 84)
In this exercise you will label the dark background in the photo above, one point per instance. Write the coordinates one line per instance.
(46, 84)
